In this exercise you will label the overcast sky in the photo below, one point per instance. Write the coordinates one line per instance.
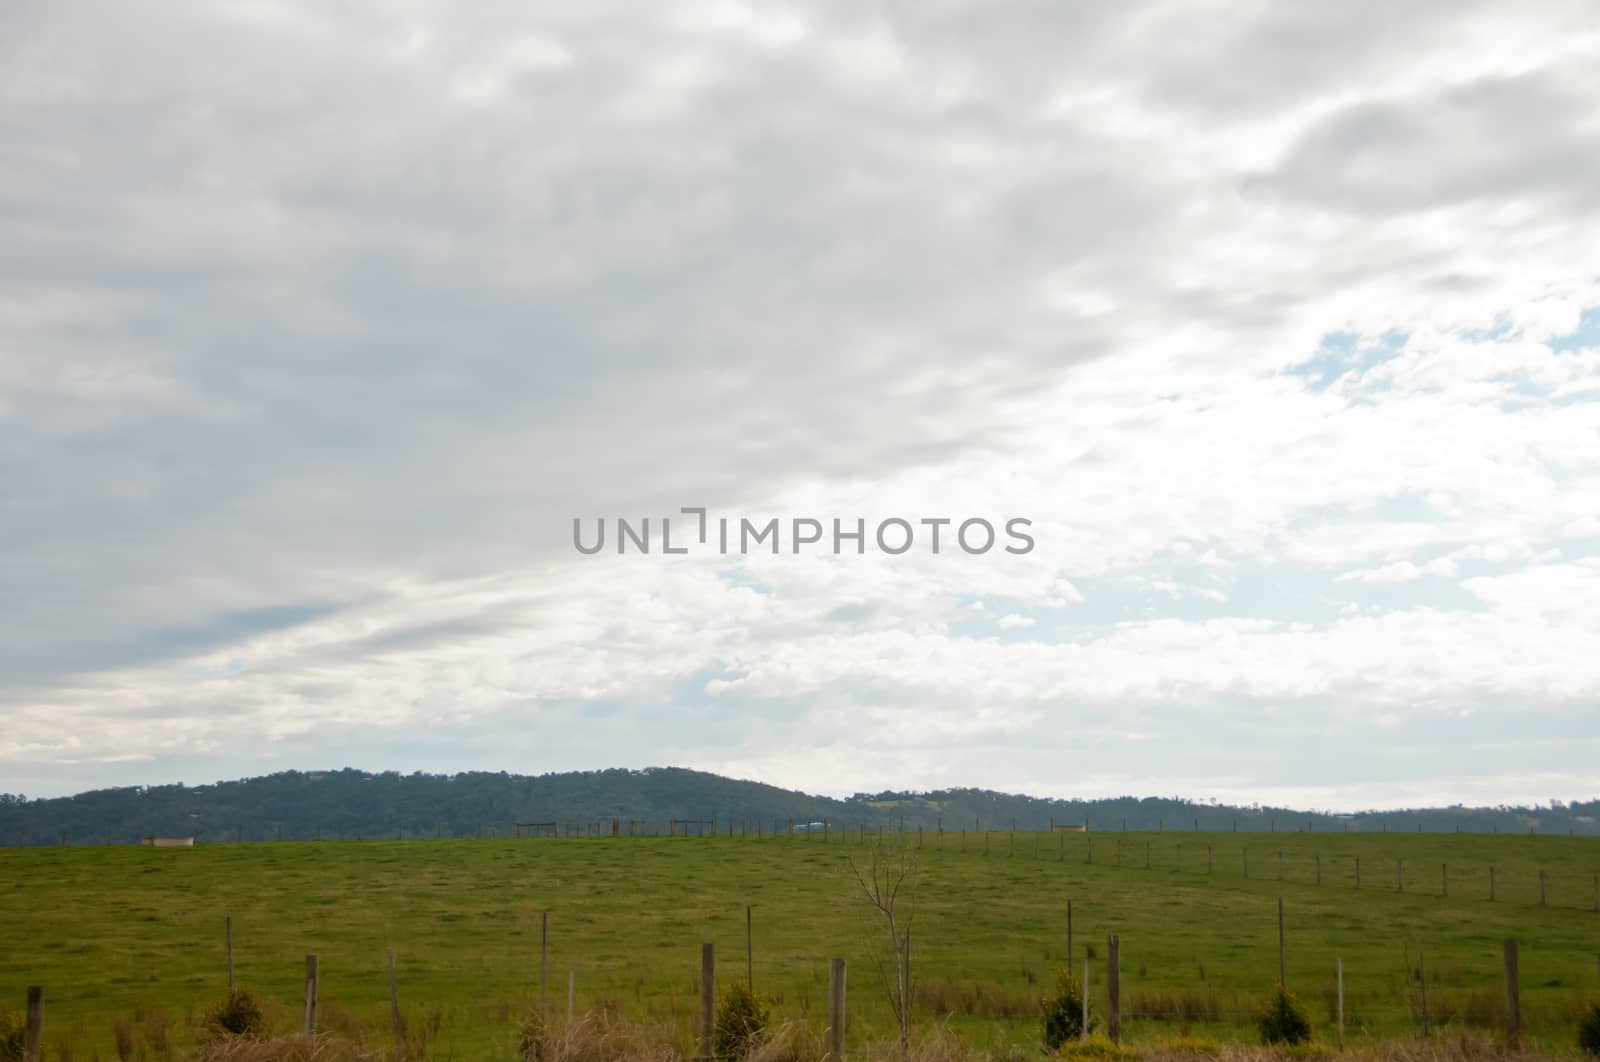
(320, 323)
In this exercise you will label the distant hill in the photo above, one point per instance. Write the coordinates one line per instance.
(351, 804)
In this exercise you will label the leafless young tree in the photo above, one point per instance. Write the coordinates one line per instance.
(889, 883)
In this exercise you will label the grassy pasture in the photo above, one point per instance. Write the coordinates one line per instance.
(133, 937)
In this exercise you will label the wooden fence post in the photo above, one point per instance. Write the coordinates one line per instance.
(311, 995)
(1319, 866)
(544, 966)
(1338, 977)
(836, 976)
(749, 952)
(1444, 879)
(1399, 875)
(1113, 990)
(1083, 1026)
(1283, 979)
(33, 1030)
(227, 930)
(1513, 998)
(396, 1022)
(572, 979)
(708, 998)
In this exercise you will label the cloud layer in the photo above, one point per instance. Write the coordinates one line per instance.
(318, 326)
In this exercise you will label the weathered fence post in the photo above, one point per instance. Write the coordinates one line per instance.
(1283, 978)
(33, 1030)
(396, 1022)
(1083, 1026)
(836, 974)
(1513, 998)
(1113, 990)
(749, 952)
(708, 998)
(1069, 934)
(544, 965)
(227, 932)
(1338, 977)
(311, 995)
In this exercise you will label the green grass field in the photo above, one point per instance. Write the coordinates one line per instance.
(135, 935)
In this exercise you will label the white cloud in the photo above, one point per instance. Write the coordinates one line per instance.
(320, 334)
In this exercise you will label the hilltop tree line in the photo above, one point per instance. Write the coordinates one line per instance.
(347, 804)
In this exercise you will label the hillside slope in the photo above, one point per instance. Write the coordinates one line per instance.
(350, 804)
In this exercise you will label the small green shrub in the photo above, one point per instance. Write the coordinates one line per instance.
(236, 1014)
(1063, 1012)
(1284, 1020)
(13, 1031)
(1589, 1029)
(742, 1021)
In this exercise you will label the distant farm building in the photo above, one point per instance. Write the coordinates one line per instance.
(169, 842)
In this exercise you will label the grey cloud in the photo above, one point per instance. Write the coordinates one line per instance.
(1509, 138)
(283, 320)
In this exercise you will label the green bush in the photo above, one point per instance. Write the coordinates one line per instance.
(1589, 1030)
(1284, 1020)
(13, 1031)
(236, 1014)
(742, 1021)
(1063, 1012)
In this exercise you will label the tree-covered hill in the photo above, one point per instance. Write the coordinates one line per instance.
(351, 804)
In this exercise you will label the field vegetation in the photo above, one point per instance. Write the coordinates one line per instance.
(128, 942)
